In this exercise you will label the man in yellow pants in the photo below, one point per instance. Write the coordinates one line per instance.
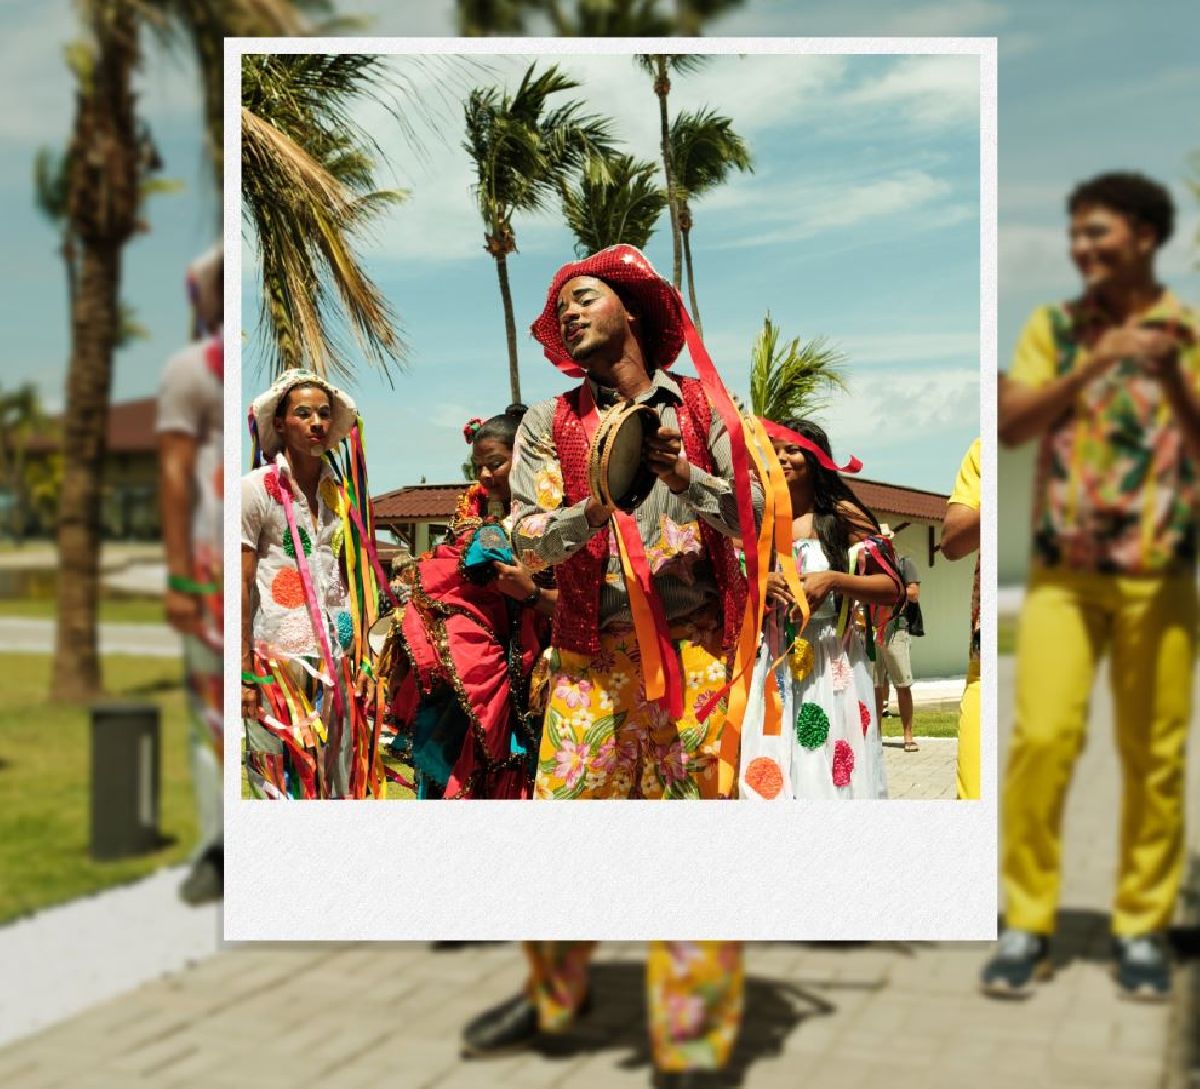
(960, 537)
(1109, 384)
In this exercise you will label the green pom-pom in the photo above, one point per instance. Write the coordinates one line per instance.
(289, 546)
(812, 726)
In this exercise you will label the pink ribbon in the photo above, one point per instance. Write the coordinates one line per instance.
(310, 593)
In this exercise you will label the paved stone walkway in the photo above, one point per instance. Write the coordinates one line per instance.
(881, 1016)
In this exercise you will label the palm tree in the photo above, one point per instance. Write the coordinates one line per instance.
(658, 66)
(616, 201)
(523, 156)
(704, 148)
(691, 15)
(479, 18)
(108, 159)
(791, 382)
(610, 19)
(308, 190)
(201, 26)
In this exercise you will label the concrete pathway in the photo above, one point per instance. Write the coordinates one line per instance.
(36, 636)
(880, 1016)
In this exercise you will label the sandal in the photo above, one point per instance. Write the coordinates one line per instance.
(911, 746)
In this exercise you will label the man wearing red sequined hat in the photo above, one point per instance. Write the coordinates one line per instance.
(650, 604)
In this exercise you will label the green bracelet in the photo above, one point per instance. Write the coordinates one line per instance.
(186, 585)
(254, 678)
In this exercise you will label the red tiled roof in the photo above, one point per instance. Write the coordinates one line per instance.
(896, 499)
(130, 429)
(437, 501)
(418, 502)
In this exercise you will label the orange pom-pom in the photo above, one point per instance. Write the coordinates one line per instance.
(764, 777)
(287, 589)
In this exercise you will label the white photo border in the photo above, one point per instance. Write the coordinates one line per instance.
(629, 870)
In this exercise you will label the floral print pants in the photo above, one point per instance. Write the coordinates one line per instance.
(602, 739)
(694, 994)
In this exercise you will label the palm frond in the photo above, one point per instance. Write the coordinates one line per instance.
(793, 381)
(612, 200)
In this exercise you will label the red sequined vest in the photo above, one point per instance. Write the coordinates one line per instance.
(577, 616)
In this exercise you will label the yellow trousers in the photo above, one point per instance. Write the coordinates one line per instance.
(694, 996)
(967, 774)
(1068, 621)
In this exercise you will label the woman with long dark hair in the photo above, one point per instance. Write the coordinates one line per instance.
(810, 728)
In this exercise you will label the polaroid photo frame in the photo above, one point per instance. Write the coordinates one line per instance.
(631, 870)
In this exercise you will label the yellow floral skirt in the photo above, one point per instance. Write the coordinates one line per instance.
(603, 739)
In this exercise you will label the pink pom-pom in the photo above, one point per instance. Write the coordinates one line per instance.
(843, 764)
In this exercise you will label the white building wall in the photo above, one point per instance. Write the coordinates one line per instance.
(945, 602)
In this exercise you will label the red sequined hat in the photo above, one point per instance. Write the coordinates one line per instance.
(628, 270)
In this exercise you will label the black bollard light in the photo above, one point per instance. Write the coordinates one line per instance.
(126, 777)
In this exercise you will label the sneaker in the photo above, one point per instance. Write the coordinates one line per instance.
(1020, 960)
(205, 883)
(1143, 967)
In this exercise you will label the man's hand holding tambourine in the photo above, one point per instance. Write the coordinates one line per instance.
(663, 453)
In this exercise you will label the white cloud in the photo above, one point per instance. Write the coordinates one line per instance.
(874, 348)
(927, 403)
(837, 204)
(928, 90)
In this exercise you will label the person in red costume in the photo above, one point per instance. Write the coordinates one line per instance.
(462, 650)
(649, 607)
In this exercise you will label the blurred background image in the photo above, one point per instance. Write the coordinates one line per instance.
(108, 976)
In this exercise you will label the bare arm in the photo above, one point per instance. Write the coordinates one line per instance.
(249, 691)
(177, 465)
(960, 531)
(1024, 412)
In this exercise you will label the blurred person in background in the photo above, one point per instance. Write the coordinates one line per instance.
(960, 537)
(1107, 383)
(893, 661)
(191, 453)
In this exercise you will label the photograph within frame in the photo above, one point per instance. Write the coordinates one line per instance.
(895, 866)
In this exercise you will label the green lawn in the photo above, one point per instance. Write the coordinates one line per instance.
(1006, 635)
(116, 609)
(925, 724)
(44, 783)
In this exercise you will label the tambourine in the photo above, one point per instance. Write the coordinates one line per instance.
(618, 475)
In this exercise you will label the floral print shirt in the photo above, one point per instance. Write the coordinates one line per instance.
(281, 616)
(546, 532)
(1116, 490)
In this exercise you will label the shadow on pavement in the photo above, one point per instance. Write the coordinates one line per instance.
(773, 1011)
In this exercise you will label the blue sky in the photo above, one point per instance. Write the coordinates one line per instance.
(860, 222)
(895, 289)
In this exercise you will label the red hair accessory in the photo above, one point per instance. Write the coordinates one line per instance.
(471, 429)
(786, 434)
(628, 271)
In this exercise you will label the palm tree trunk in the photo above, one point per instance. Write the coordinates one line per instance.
(662, 87)
(686, 232)
(76, 674)
(510, 328)
(102, 207)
